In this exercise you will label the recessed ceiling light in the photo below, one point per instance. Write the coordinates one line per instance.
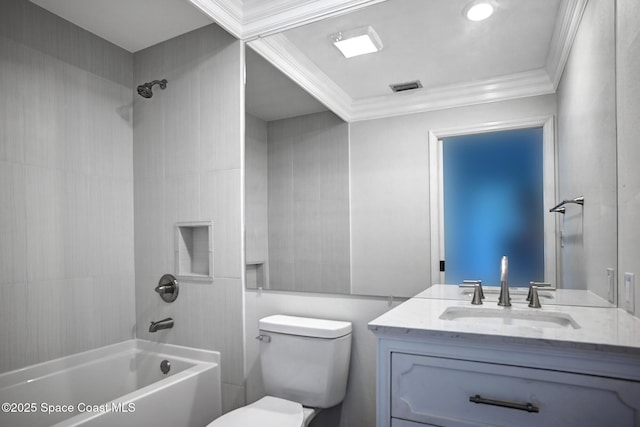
(478, 11)
(357, 42)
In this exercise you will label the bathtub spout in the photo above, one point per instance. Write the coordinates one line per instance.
(161, 324)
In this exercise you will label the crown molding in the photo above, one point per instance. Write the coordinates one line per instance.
(567, 24)
(246, 20)
(226, 13)
(513, 86)
(253, 23)
(275, 16)
(285, 56)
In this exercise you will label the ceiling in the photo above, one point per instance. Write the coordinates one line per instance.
(131, 24)
(432, 41)
(519, 51)
(270, 95)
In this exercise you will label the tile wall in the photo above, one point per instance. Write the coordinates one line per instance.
(187, 163)
(66, 188)
(308, 212)
(257, 203)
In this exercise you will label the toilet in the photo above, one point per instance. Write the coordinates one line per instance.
(305, 365)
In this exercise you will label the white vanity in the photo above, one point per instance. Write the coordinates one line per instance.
(449, 363)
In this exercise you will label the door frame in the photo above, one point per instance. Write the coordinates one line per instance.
(549, 186)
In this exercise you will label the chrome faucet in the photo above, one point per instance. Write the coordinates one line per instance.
(161, 324)
(504, 299)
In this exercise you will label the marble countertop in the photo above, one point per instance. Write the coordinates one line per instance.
(606, 329)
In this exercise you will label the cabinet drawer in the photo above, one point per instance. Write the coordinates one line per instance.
(437, 391)
(403, 423)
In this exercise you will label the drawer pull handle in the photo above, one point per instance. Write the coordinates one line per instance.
(529, 407)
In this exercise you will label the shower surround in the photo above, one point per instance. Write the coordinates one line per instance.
(187, 155)
(74, 136)
(66, 185)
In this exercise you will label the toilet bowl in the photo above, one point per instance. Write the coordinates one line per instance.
(305, 364)
(267, 412)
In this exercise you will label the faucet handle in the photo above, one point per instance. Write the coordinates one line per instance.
(534, 300)
(168, 288)
(536, 285)
(477, 284)
(477, 295)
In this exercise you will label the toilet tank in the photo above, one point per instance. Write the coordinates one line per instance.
(305, 359)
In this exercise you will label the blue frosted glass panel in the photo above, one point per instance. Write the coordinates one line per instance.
(493, 206)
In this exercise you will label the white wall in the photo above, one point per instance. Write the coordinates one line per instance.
(66, 188)
(358, 408)
(187, 163)
(587, 152)
(389, 165)
(628, 103)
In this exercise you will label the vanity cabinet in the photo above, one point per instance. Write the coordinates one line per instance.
(430, 377)
(434, 371)
(440, 391)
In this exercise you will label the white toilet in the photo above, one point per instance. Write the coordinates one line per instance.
(305, 364)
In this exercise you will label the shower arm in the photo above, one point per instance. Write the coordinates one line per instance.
(162, 83)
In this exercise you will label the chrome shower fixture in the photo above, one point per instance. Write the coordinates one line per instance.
(559, 208)
(145, 91)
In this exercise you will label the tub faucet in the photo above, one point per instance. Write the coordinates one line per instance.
(161, 324)
(504, 299)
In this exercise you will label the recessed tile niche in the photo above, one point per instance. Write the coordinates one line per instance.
(194, 252)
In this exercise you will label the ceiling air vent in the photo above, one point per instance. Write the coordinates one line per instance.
(402, 87)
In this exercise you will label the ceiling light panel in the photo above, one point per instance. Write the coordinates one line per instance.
(359, 41)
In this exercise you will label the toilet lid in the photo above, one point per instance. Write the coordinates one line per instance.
(266, 412)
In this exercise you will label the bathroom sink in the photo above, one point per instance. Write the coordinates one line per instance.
(506, 316)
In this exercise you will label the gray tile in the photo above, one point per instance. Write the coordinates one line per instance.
(13, 227)
(220, 196)
(232, 397)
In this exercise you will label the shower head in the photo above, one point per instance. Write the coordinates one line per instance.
(145, 91)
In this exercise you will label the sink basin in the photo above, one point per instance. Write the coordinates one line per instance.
(511, 317)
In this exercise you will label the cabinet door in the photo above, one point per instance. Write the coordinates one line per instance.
(442, 392)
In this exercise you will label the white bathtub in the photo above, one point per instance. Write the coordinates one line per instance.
(117, 385)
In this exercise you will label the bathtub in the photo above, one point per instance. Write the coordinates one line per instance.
(116, 385)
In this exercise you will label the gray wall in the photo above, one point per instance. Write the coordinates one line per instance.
(628, 102)
(66, 186)
(256, 199)
(389, 164)
(308, 192)
(187, 163)
(587, 153)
